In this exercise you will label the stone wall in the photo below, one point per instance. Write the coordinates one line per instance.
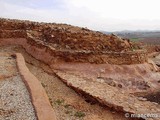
(13, 34)
(42, 49)
(63, 36)
(49, 55)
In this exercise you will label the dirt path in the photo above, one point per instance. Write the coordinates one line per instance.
(67, 104)
(15, 102)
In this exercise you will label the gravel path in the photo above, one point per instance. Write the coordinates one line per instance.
(15, 103)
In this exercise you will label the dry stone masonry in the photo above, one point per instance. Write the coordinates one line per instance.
(74, 44)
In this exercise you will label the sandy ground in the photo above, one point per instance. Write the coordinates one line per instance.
(67, 104)
(15, 103)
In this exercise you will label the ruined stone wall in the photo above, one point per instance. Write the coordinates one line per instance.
(63, 36)
(13, 34)
(49, 55)
(46, 52)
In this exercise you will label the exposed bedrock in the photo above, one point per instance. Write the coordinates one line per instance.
(139, 79)
(110, 96)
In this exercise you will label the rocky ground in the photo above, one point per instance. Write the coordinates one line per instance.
(135, 78)
(63, 36)
(67, 104)
(15, 103)
(156, 59)
(109, 96)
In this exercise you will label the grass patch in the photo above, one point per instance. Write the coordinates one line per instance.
(67, 106)
(134, 39)
(59, 101)
(79, 114)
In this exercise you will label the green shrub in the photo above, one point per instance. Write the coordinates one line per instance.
(79, 114)
(59, 102)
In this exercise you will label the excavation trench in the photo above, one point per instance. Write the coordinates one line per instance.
(65, 101)
(61, 96)
(33, 54)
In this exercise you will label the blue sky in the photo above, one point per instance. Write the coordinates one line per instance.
(108, 15)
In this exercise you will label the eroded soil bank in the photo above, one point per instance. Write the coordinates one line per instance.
(67, 104)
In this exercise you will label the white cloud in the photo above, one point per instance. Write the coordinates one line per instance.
(106, 15)
(122, 9)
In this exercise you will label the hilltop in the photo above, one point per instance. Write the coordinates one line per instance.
(63, 36)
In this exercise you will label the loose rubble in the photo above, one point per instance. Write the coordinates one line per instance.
(74, 44)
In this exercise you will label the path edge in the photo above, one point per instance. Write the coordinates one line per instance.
(39, 98)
